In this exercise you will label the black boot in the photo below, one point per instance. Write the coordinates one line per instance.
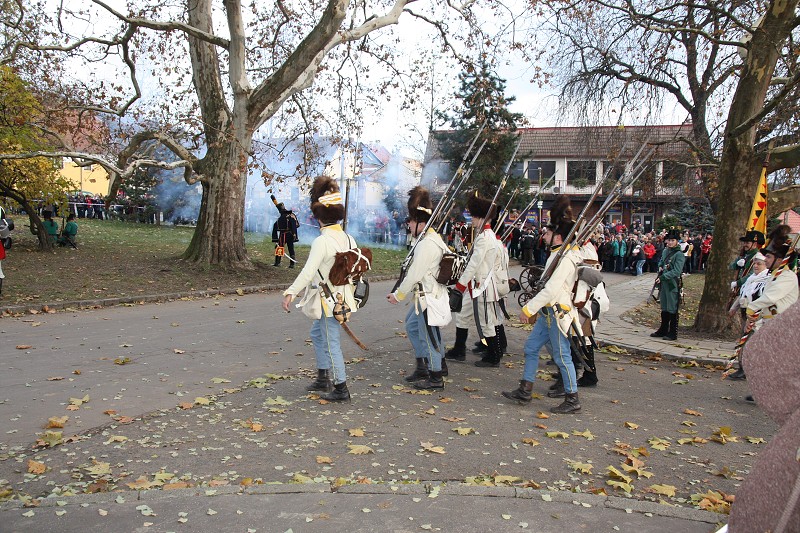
(421, 372)
(522, 394)
(589, 377)
(459, 350)
(445, 372)
(557, 390)
(322, 384)
(672, 332)
(739, 375)
(339, 394)
(663, 328)
(493, 355)
(500, 333)
(570, 405)
(434, 381)
(479, 348)
(559, 382)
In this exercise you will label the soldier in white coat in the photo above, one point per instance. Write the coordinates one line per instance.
(552, 312)
(430, 307)
(478, 285)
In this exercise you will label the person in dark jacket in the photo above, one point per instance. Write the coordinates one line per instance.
(284, 233)
(670, 268)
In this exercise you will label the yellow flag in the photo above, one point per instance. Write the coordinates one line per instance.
(758, 215)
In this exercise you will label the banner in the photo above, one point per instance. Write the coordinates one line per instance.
(758, 214)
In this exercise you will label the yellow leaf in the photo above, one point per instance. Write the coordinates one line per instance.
(587, 434)
(359, 449)
(556, 435)
(79, 401)
(692, 412)
(220, 380)
(202, 400)
(631, 425)
(257, 427)
(99, 469)
(116, 438)
(177, 351)
(176, 485)
(627, 487)
(324, 460)
(506, 480)
(542, 415)
(638, 470)
(664, 490)
(357, 432)
(616, 474)
(55, 422)
(446, 400)
(453, 419)
(50, 438)
(431, 411)
(35, 467)
(278, 400)
(142, 483)
(755, 440)
(530, 441)
(658, 444)
(464, 431)
(429, 447)
(583, 468)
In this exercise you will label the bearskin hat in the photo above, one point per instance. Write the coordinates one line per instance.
(331, 210)
(479, 207)
(778, 244)
(561, 221)
(420, 207)
(673, 233)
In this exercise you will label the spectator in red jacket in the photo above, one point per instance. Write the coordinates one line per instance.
(705, 249)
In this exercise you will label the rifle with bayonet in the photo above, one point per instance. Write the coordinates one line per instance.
(519, 222)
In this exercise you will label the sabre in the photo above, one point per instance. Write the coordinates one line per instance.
(328, 302)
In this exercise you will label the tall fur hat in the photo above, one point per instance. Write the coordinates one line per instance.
(420, 207)
(561, 221)
(326, 201)
(778, 242)
(479, 207)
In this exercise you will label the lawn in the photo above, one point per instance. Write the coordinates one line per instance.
(121, 259)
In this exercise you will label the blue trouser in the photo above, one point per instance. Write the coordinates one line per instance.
(546, 331)
(328, 351)
(639, 266)
(421, 341)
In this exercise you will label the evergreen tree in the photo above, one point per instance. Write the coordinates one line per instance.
(482, 99)
(697, 217)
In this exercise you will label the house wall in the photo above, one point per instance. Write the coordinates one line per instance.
(92, 179)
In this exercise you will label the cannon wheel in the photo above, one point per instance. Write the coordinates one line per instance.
(529, 277)
(523, 298)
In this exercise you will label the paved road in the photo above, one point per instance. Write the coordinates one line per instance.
(215, 447)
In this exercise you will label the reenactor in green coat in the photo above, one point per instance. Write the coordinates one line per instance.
(670, 269)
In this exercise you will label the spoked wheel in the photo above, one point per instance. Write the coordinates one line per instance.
(523, 298)
(529, 277)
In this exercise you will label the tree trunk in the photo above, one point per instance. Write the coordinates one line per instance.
(219, 235)
(739, 172)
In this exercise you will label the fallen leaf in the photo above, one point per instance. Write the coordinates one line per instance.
(663, 490)
(24, 346)
(542, 415)
(556, 435)
(57, 421)
(357, 432)
(586, 434)
(463, 431)
(755, 440)
(324, 460)
(220, 380)
(359, 449)
(692, 412)
(55, 378)
(658, 443)
(177, 351)
(530, 441)
(583, 468)
(35, 467)
(429, 447)
(79, 401)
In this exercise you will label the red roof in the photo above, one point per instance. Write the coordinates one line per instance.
(790, 218)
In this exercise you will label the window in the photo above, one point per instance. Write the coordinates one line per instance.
(581, 173)
(540, 169)
(617, 170)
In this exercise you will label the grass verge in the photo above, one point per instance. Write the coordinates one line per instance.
(120, 259)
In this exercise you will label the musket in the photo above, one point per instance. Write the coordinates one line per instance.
(653, 290)
(502, 218)
(782, 267)
(451, 200)
(449, 190)
(530, 205)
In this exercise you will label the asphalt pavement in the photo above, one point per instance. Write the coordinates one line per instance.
(197, 406)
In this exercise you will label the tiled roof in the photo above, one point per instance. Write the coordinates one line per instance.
(597, 142)
(792, 219)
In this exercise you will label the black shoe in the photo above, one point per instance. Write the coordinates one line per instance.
(339, 393)
(738, 375)
(434, 381)
(445, 372)
(323, 383)
(459, 350)
(452, 355)
(570, 404)
(749, 398)
(670, 338)
(522, 394)
(418, 375)
(658, 333)
(588, 379)
(486, 363)
(480, 348)
(556, 391)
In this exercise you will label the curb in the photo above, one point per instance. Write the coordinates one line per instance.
(629, 505)
(637, 351)
(152, 298)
